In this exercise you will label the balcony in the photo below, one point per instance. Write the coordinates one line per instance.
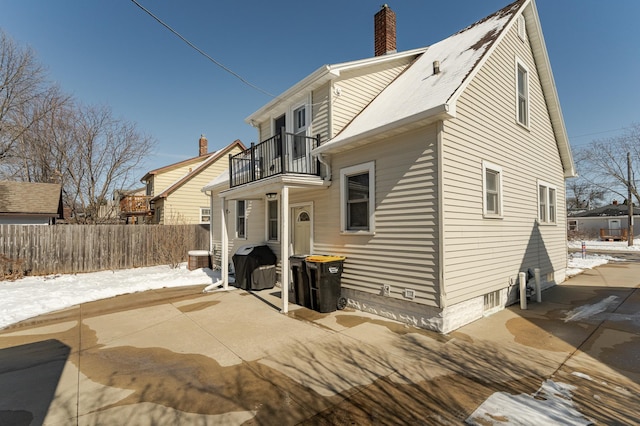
(281, 154)
(131, 205)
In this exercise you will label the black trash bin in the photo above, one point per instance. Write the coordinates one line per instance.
(325, 274)
(300, 280)
(255, 267)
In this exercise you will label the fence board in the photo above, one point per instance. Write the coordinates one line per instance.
(63, 249)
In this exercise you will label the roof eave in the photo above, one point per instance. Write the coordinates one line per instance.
(321, 76)
(440, 112)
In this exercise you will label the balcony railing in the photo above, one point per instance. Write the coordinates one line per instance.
(135, 204)
(280, 154)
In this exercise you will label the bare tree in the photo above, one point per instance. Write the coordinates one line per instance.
(23, 85)
(45, 136)
(605, 162)
(582, 192)
(105, 156)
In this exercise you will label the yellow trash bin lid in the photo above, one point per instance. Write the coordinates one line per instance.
(322, 259)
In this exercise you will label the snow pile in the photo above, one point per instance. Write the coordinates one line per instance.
(606, 245)
(576, 264)
(587, 311)
(33, 296)
(552, 404)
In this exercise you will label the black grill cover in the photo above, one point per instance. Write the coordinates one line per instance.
(255, 267)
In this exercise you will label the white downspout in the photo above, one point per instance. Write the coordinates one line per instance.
(211, 247)
(284, 249)
(324, 161)
(224, 256)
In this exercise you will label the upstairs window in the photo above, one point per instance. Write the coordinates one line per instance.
(522, 95)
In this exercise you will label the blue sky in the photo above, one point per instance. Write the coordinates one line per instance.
(111, 52)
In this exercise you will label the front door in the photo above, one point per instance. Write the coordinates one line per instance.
(301, 229)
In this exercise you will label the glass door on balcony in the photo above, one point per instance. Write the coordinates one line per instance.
(299, 145)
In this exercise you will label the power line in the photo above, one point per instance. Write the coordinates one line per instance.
(597, 133)
(197, 49)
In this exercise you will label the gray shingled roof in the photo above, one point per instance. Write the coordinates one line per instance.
(610, 210)
(30, 198)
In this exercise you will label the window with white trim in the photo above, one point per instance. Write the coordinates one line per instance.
(492, 190)
(522, 93)
(205, 215)
(546, 203)
(272, 220)
(357, 196)
(241, 219)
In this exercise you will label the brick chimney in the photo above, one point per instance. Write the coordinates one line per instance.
(202, 146)
(615, 202)
(384, 23)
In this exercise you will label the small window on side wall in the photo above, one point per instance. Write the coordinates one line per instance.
(357, 195)
(241, 219)
(205, 215)
(272, 220)
(492, 190)
(546, 203)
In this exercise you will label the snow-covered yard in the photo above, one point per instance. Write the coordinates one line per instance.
(33, 296)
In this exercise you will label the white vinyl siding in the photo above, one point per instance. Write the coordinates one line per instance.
(496, 250)
(403, 252)
(184, 203)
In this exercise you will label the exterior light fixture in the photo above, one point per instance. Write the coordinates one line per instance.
(271, 195)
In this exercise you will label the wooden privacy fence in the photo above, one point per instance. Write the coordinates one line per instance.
(59, 249)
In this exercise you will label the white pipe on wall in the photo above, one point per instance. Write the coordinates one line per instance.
(538, 289)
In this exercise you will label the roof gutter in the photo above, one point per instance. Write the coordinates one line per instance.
(440, 112)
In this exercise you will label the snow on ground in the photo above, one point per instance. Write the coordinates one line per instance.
(32, 296)
(552, 404)
(597, 245)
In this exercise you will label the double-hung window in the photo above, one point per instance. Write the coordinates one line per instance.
(205, 215)
(357, 195)
(492, 190)
(546, 203)
(241, 219)
(522, 93)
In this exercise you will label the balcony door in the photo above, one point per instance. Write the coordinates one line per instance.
(299, 146)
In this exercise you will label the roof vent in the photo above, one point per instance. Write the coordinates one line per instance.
(436, 67)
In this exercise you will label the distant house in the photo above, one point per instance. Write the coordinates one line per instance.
(606, 223)
(28, 203)
(173, 192)
(438, 172)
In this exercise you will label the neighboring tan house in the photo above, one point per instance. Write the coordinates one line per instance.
(438, 172)
(173, 192)
(606, 223)
(28, 203)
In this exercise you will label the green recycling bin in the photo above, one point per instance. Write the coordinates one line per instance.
(325, 275)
